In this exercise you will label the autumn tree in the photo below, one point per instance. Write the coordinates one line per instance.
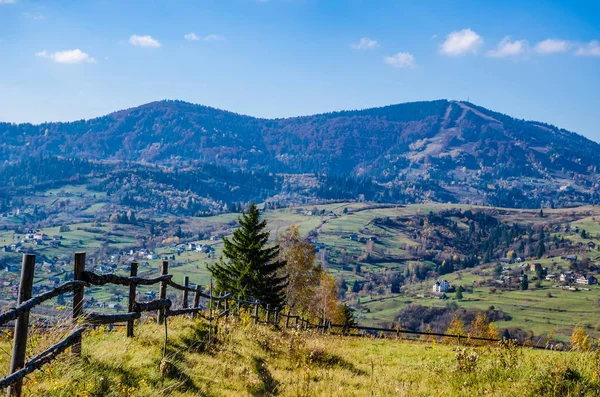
(580, 341)
(326, 303)
(482, 328)
(456, 327)
(302, 274)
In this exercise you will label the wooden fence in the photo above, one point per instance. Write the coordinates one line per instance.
(82, 320)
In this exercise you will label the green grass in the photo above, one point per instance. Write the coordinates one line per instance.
(247, 360)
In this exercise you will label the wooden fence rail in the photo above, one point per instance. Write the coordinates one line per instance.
(81, 320)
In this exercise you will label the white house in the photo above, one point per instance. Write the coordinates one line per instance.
(441, 286)
(586, 280)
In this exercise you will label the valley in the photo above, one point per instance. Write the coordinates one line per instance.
(384, 257)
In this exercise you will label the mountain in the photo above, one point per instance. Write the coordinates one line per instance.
(438, 150)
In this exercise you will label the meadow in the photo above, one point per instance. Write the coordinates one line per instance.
(250, 360)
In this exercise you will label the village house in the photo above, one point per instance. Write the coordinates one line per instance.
(551, 277)
(586, 279)
(591, 244)
(534, 267)
(441, 286)
(567, 277)
(191, 247)
(39, 236)
(569, 257)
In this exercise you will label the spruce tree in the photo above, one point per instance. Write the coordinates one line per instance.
(347, 318)
(251, 269)
(524, 283)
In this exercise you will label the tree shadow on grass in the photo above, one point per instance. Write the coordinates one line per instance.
(268, 385)
(324, 359)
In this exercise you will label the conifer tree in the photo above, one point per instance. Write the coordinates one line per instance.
(250, 269)
(347, 318)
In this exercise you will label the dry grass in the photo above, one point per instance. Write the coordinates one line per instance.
(247, 360)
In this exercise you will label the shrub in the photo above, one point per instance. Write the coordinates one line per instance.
(580, 341)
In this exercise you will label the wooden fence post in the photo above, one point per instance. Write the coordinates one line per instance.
(163, 291)
(287, 320)
(296, 321)
(186, 283)
(256, 313)
(268, 314)
(226, 307)
(78, 299)
(197, 298)
(22, 324)
(132, 289)
(210, 312)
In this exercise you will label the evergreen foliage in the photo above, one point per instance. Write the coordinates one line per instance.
(250, 269)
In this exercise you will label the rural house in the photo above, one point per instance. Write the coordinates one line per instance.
(586, 279)
(441, 286)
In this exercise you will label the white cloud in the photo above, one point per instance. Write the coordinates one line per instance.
(143, 41)
(33, 17)
(461, 42)
(213, 37)
(401, 60)
(508, 48)
(365, 44)
(8, 1)
(191, 37)
(552, 46)
(591, 49)
(210, 37)
(67, 56)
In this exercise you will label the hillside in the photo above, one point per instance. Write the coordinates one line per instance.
(385, 258)
(447, 151)
(259, 361)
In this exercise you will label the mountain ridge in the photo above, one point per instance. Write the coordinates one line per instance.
(442, 149)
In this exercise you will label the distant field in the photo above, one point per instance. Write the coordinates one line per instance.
(342, 229)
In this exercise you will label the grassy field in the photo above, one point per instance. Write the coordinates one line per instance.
(247, 360)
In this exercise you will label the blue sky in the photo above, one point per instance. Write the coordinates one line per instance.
(65, 59)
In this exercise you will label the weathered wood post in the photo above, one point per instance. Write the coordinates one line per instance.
(287, 320)
(210, 313)
(238, 307)
(256, 305)
(296, 321)
(184, 301)
(226, 307)
(78, 299)
(268, 319)
(197, 298)
(22, 324)
(132, 289)
(163, 291)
